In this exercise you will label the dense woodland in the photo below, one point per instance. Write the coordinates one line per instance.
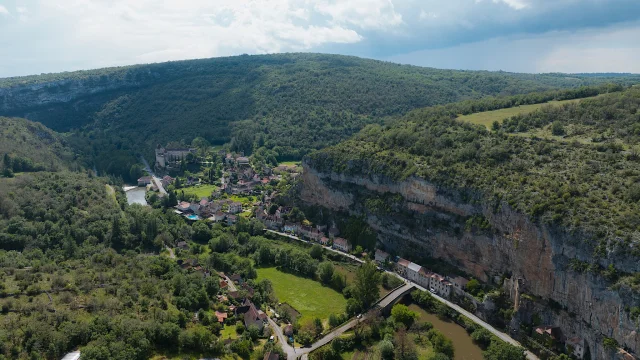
(290, 104)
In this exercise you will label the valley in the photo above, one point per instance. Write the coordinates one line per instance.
(291, 205)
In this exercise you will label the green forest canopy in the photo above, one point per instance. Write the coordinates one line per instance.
(290, 103)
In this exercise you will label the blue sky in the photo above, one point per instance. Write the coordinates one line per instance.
(514, 35)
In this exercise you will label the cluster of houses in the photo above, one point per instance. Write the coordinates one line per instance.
(318, 233)
(436, 283)
(223, 210)
(242, 179)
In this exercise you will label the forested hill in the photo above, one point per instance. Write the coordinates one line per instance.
(576, 165)
(27, 146)
(289, 103)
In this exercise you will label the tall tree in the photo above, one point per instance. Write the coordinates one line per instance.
(366, 284)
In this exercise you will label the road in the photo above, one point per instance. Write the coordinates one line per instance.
(232, 286)
(504, 337)
(328, 248)
(154, 178)
(494, 331)
(288, 349)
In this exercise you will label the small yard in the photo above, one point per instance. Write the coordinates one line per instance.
(228, 332)
(199, 191)
(245, 200)
(307, 296)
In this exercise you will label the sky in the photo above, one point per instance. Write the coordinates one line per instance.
(41, 36)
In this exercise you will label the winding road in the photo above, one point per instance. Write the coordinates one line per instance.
(299, 351)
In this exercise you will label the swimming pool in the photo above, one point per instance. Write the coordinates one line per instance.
(192, 217)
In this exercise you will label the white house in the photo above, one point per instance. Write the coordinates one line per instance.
(413, 272)
(235, 207)
(218, 216)
(440, 285)
(341, 244)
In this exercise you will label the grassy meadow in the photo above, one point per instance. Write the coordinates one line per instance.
(307, 296)
(199, 191)
(487, 118)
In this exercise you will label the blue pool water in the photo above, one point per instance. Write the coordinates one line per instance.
(192, 217)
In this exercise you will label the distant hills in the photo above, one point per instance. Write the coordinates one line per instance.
(285, 104)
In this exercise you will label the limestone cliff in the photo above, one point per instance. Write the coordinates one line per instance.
(432, 220)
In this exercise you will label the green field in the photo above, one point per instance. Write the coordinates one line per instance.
(289, 163)
(307, 296)
(200, 191)
(488, 117)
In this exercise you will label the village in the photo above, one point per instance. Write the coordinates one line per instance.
(241, 194)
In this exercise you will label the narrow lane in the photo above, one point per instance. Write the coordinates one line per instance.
(154, 178)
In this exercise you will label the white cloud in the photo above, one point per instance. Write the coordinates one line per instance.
(516, 4)
(47, 36)
(366, 14)
(427, 15)
(106, 33)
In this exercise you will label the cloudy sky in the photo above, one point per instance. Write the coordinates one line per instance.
(514, 35)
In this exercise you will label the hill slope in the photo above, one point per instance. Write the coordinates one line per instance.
(560, 215)
(292, 103)
(31, 146)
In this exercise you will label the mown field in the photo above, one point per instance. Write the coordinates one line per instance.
(200, 191)
(307, 296)
(487, 118)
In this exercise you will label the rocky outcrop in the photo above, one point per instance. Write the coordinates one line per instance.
(16, 99)
(435, 221)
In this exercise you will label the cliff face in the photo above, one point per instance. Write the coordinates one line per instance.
(19, 98)
(432, 220)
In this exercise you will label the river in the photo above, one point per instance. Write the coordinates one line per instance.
(136, 195)
(464, 347)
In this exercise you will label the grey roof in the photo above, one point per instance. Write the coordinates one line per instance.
(414, 267)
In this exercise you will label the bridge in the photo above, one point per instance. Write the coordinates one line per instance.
(386, 302)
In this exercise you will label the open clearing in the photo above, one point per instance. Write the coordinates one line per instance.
(290, 163)
(307, 296)
(200, 191)
(487, 118)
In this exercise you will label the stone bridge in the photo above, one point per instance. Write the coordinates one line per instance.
(386, 303)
